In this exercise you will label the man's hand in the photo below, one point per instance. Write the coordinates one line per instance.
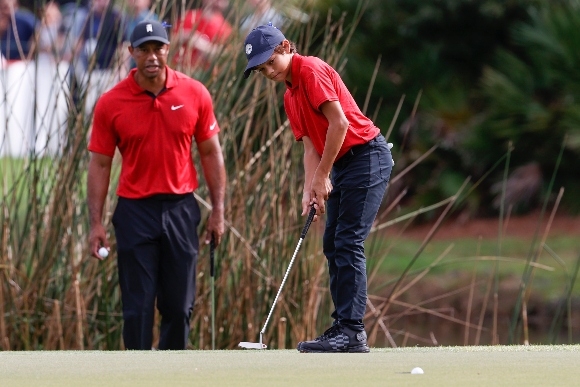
(212, 162)
(215, 227)
(98, 238)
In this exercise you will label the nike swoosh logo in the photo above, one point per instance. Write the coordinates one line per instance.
(176, 107)
(212, 127)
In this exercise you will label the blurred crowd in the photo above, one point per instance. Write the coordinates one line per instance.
(64, 53)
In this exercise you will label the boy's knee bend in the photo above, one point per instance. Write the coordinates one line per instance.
(345, 244)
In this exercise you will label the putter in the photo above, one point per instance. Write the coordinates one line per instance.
(261, 345)
(211, 272)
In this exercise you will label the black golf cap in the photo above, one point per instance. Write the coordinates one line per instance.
(148, 30)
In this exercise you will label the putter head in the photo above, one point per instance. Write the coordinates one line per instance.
(248, 345)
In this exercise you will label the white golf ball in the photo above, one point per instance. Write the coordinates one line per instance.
(103, 252)
(417, 371)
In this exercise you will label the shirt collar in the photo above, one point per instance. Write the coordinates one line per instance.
(170, 81)
(296, 61)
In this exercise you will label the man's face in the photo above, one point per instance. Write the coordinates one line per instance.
(216, 5)
(6, 6)
(100, 6)
(140, 4)
(150, 58)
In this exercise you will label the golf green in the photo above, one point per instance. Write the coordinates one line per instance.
(443, 366)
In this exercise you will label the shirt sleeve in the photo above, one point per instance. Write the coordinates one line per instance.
(290, 109)
(207, 125)
(103, 138)
(319, 87)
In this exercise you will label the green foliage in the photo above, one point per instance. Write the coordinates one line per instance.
(486, 73)
(425, 44)
(532, 95)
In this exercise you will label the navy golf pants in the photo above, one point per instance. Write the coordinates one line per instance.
(157, 246)
(359, 180)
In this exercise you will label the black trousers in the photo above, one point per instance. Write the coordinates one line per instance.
(157, 247)
(359, 181)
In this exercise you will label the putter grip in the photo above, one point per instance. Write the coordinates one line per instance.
(211, 256)
(308, 222)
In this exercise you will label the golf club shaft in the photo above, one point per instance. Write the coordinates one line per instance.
(212, 315)
(211, 271)
(212, 257)
(302, 235)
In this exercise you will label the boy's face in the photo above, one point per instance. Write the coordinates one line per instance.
(277, 68)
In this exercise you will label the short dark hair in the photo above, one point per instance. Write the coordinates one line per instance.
(280, 50)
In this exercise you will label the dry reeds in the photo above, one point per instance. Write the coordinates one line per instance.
(53, 296)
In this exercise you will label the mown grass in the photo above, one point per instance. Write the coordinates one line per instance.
(442, 366)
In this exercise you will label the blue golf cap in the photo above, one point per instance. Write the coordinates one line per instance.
(260, 44)
(148, 30)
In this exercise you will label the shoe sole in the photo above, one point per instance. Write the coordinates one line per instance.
(359, 349)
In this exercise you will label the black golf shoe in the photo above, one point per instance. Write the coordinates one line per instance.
(337, 338)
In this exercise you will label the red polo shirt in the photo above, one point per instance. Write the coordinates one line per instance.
(154, 134)
(214, 28)
(314, 82)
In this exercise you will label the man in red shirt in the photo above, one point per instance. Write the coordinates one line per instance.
(201, 33)
(152, 117)
(337, 138)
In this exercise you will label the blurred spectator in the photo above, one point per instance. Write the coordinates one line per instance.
(201, 33)
(101, 35)
(17, 28)
(137, 11)
(100, 66)
(49, 39)
(51, 85)
(263, 12)
(74, 15)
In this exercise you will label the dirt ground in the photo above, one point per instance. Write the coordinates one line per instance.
(522, 226)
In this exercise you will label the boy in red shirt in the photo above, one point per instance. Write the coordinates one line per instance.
(337, 138)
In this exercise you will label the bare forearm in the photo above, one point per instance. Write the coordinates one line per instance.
(214, 172)
(99, 172)
(334, 140)
(311, 162)
(212, 162)
(335, 135)
(97, 188)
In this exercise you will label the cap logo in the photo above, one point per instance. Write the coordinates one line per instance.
(149, 28)
(248, 49)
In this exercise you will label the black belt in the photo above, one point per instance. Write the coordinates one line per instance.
(168, 197)
(354, 150)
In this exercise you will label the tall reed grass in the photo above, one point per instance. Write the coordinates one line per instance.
(53, 295)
